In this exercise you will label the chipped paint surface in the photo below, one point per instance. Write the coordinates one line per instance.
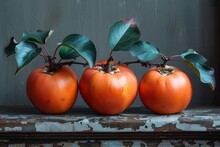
(138, 120)
(53, 127)
(190, 127)
(132, 121)
(13, 128)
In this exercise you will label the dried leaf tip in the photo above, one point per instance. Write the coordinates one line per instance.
(130, 21)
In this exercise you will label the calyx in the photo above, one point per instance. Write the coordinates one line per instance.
(111, 69)
(165, 70)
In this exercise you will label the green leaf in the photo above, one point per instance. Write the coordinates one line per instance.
(67, 53)
(10, 49)
(37, 37)
(25, 52)
(193, 56)
(197, 63)
(205, 73)
(78, 45)
(144, 51)
(123, 34)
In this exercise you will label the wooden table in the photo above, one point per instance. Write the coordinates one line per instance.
(135, 127)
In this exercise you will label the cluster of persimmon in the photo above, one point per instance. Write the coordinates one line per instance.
(108, 86)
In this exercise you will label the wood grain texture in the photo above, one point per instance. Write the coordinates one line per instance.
(172, 25)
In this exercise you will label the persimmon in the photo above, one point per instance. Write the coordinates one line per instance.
(52, 93)
(53, 87)
(165, 90)
(108, 91)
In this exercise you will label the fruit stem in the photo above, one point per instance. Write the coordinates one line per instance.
(148, 64)
(145, 64)
(165, 60)
(45, 48)
(42, 55)
(108, 67)
(72, 62)
(53, 67)
(110, 56)
(55, 52)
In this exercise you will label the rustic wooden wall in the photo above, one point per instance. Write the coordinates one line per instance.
(172, 25)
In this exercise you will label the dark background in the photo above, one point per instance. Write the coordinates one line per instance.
(172, 25)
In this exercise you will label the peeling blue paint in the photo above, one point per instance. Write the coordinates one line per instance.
(188, 120)
(190, 127)
(191, 120)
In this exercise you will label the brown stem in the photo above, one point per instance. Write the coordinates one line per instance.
(108, 67)
(45, 48)
(165, 59)
(111, 53)
(109, 60)
(55, 52)
(72, 62)
(163, 56)
(145, 64)
(53, 67)
(42, 55)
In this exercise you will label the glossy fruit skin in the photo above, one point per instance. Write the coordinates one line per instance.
(165, 94)
(52, 94)
(106, 93)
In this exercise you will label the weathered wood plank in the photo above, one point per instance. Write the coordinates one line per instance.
(14, 119)
(24, 126)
